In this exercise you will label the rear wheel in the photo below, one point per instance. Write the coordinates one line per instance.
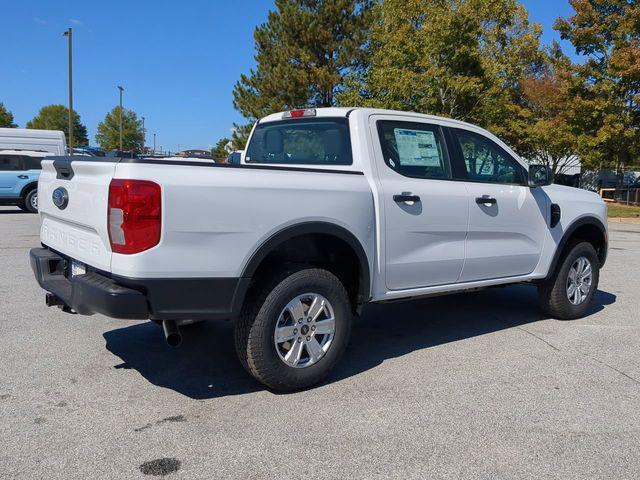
(293, 331)
(568, 293)
(30, 202)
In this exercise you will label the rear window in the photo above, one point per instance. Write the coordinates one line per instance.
(304, 141)
(33, 163)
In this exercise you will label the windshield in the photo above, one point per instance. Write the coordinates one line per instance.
(310, 141)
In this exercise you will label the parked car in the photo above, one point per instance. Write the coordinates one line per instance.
(121, 154)
(51, 141)
(234, 158)
(89, 151)
(330, 209)
(195, 154)
(19, 172)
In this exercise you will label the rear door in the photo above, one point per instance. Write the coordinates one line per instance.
(425, 213)
(507, 218)
(11, 169)
(79, 228)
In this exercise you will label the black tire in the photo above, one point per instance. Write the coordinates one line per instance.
(552, 293)
(254, 329)
(27, 203)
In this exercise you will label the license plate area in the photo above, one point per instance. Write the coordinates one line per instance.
(77, 268)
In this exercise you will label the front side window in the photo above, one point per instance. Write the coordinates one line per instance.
(304, 141)
(414, 149)
(485, 161)
(11, 163)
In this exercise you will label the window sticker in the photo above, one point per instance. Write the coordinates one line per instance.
(417, 148)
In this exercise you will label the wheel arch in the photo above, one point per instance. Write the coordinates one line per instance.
(305, 229)
(27, 188)
(590, 229)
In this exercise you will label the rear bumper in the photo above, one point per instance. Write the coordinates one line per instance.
(137, 299)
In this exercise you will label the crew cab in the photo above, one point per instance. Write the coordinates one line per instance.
(329, 209)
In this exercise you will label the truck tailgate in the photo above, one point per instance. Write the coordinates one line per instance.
(78, 229)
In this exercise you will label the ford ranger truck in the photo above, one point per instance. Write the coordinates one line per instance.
(328, 209)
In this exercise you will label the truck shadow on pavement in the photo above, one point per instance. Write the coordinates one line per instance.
(15, 211)
(205, 366)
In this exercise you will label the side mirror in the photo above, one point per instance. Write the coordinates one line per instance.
(539, 176)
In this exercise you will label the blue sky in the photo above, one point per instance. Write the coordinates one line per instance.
(178, 61)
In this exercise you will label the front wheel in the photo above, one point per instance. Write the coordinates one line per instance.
(568, 293)
(293, 331)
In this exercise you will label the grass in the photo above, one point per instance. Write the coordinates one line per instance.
(624, 211)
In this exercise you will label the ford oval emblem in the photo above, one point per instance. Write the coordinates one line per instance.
(60, 198)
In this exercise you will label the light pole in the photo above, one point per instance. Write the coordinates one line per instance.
(121, 90)
(68, 34)
(154, 143)
(144, 135)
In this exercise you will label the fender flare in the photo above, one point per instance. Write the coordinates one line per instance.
(326, 228)
(28, 187)
(581, 222)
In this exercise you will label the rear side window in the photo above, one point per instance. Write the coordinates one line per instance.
(11, 163)
(33, 163)
(486, 162)
(414, 149)
(304, 141)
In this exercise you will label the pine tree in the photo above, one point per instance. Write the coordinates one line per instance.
(6, 117)
(304, 51)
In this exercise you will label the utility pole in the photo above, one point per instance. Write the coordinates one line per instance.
(121, 90)
(154, 143)
(144, 135)
(68, 34)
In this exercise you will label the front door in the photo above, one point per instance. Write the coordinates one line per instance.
(425, 212)
(507, 218)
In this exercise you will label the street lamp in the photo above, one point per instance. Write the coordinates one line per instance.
(144, 135)
(154, 143)
(68, 34)
(121, 90)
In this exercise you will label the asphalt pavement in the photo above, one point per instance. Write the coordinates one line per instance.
(479, 386)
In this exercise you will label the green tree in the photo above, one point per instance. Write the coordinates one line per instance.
(457, 58)
(240, 135)
(6, 117)
(56, 117)
(108, 134)
(219, 151)
(304, 51)
(607, 103)
(540, 128)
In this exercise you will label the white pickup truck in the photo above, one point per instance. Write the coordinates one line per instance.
(328, 209)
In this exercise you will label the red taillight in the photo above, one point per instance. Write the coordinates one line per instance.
(135, 215)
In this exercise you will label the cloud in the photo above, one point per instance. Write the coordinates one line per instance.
(75, 21)
(40, 21)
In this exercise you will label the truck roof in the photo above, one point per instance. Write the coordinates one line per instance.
(346, 111)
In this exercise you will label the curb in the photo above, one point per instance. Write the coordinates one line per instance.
(631, 220)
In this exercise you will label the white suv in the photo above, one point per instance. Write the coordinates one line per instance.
(329, 209)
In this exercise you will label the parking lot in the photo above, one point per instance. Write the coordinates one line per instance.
(467, 386)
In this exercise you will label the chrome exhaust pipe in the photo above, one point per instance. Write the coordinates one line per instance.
(171, 333)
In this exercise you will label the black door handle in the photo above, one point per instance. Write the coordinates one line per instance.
(406, 198)
(486, 200)
(23, 176)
